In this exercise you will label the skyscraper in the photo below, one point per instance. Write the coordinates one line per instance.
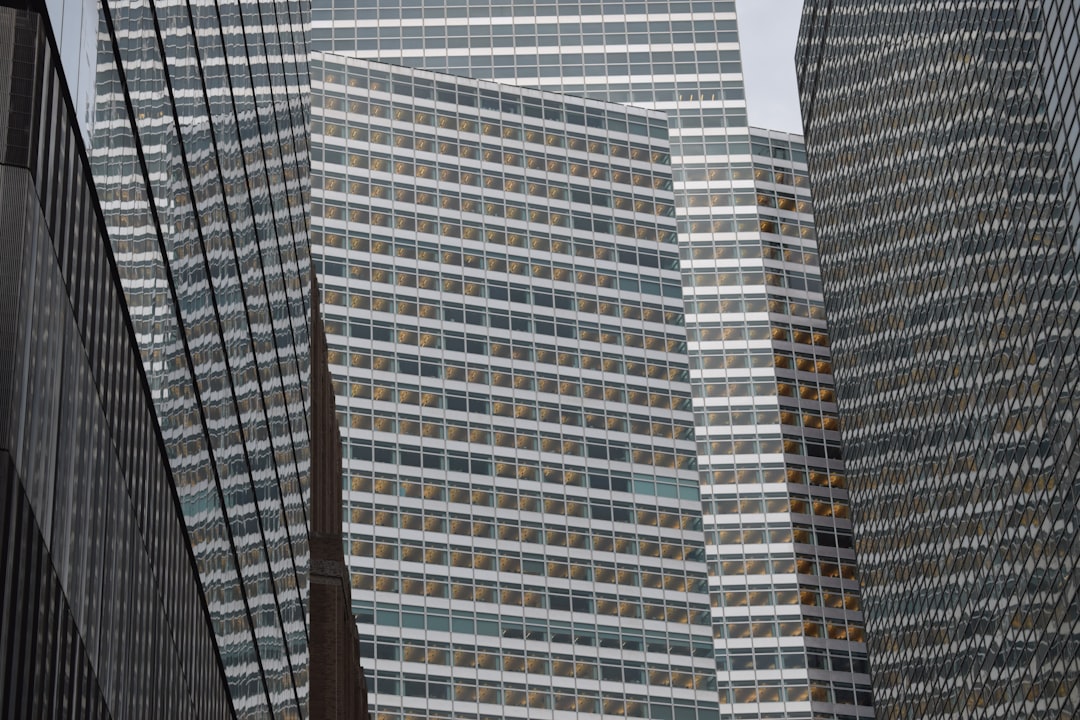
(198, 146)
(154, 399)
(102, 613)
(942, 146)
(757, 342)
(504, 325)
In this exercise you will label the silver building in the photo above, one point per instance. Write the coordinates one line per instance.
(195, 127)
(504, 320)
(772, 478)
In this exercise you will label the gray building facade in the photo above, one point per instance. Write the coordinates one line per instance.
(941, 145)
(503, 314)
(769, 464)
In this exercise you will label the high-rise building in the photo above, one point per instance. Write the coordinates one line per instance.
(942, 143)
(504, 323)
(198, 143)
(102, 613)
(156, 264)
(785, 594)
(769, 462)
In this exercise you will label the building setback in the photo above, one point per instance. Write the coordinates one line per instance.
(786, 609)
(769, 462)
(941, 141)
(504, 325)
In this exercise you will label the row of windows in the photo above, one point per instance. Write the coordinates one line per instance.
(540, 697)
(473, 254)
(452, 368)
(448, 153)
(512, 660)
(422, 87)
(774, 596)
(546, 183)
(477, 431)
(434, 519)
(434, 459)
(445, 197)
(808, 627)
(527, 409)
(724, 224)
(626, 280)
(431, 338)
(718, 423)
(773, 692)
(564, 31)
(433, 555)
(802, 564)
(581, 634)
(452, 148)
(524, 531)
(415, 9)
(595, 478)
(733, 173)
(664, 609)
(515, 628)
(792, 502)
(789, 473)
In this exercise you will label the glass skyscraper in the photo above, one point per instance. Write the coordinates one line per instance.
(771, 474)
(196, 129)
(102, 613)
(504, 322)
(943, 147)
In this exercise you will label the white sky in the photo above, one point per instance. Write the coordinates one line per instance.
(767, 32)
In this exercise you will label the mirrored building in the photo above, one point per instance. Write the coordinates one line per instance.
(194, 120)
(942, 143)
(504, 324)
(102, 612)
(769, 459)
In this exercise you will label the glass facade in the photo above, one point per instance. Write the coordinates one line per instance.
(941, 141)
(504, 324)
(770, 466)
(102, 613)
(198, 147)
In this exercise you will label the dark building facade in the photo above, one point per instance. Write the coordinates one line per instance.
(941, 141)
(154, 374)
(101, 609)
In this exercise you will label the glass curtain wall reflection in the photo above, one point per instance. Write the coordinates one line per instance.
(949, 255)
(198, 146)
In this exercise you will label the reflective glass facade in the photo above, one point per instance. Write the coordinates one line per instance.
(942, 145)
(102, 613)
(504, 323)
(770, 465)
(198, 146)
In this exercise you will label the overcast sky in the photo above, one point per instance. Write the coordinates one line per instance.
(767, 32)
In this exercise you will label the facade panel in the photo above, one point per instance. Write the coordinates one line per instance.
(939, 141)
